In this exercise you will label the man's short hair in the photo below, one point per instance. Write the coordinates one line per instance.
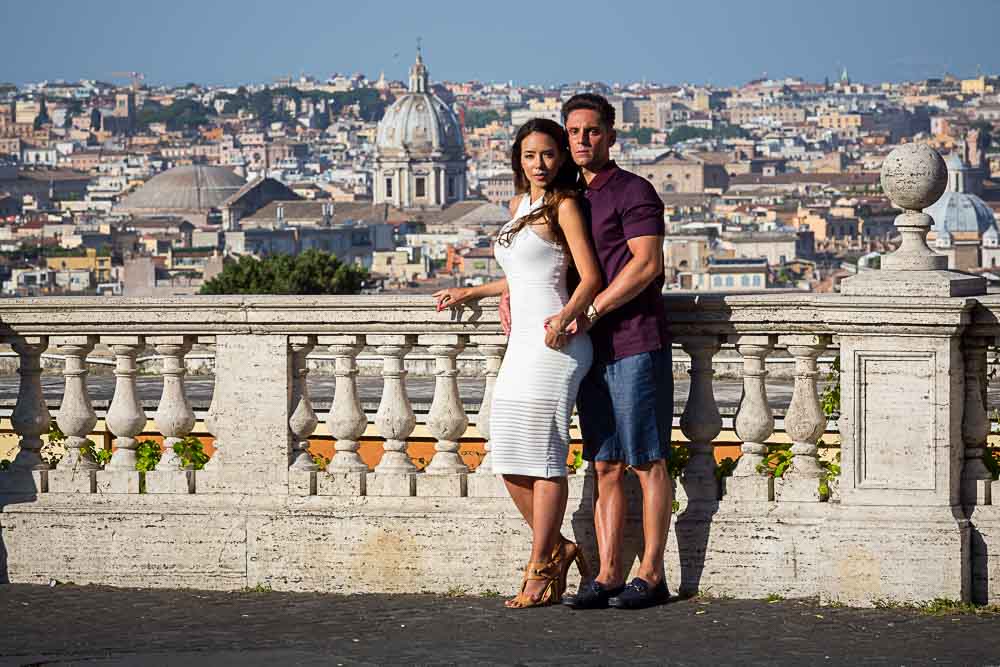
(593, 102)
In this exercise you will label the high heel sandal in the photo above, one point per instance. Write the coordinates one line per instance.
(564, 555)
(549, 572)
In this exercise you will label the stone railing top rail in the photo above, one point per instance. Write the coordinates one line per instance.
(689, 315)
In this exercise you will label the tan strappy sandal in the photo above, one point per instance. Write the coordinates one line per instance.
(564, 555)
(550, 573)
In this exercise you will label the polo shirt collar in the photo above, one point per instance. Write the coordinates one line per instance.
(603, 176)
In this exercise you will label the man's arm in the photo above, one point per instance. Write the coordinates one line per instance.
(644, 267)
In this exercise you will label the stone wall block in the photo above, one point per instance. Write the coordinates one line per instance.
(351, 484)
(170, 481)
(391, 484)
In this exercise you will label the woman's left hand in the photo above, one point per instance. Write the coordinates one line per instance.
(451, 297)
(555, 332)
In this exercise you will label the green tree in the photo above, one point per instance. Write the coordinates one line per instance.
(481, 117)
(643, 135)
(312, 272)
(182, 114)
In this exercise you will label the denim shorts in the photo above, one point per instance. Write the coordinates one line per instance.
(626, 408)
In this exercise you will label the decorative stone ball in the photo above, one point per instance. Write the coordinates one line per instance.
(914, 176)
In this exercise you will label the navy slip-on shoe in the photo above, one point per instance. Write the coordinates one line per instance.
(591, 595)
(638, 594)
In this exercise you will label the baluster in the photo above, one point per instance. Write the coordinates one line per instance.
(804, 421)
(215, 462)
(346, 420)
(30, 418)
(446, 419)
(302, 420)
(976, 478)
(395, 419)
(701, 421)
(491, 347)
(754, 422)
(125, 417)
(174, 416)
(76, 417)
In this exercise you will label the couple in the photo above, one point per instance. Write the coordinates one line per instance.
(576, 207)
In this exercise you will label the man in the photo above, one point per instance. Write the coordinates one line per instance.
(626, 401)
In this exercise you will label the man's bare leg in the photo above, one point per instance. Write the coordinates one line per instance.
(657, 505)
(609, 520)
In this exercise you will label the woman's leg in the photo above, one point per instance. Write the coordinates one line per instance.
(549, 507)
(521, 492)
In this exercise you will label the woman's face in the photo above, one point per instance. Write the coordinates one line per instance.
(540, 158)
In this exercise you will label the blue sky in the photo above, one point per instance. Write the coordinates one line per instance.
(706, 41)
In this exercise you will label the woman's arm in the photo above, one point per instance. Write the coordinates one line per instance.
(456, 296)
(574, 229)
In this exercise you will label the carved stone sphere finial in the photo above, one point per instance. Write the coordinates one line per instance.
(914, 176)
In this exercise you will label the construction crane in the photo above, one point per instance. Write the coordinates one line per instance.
(135, 77)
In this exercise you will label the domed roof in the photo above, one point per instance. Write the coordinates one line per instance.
(961, 212)
(188, 188)
(419, 123)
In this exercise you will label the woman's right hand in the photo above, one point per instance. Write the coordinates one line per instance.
(452, 297)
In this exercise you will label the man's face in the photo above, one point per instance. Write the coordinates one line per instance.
(589, 141)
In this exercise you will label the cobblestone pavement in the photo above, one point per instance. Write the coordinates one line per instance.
(88, 625)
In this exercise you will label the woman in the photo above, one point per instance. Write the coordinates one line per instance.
(542, 369)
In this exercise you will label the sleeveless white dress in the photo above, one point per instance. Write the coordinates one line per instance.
(536, 388)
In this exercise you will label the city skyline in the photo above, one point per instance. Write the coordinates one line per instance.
(711, 43)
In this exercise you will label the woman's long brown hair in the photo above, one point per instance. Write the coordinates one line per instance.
(564, 186)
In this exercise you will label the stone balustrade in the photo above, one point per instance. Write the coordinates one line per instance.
(909, 518)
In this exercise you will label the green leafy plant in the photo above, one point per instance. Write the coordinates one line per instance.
(830, 398)
(577, 461)
(678, 459)
(89, 448)
(831, 470)
(991, 459)
(726, 467)
(321, 461)
(191, 452)
(147, 455)
(777, 461)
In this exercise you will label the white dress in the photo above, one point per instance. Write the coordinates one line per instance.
(536, 388)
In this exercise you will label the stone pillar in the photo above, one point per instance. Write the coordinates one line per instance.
(902, 403)
(125, 418)
(491, 347)
(701, 421)
(446, 420)
(754, 423)
(174, 417)
(302, 420)
(346, 421)
(30, 418)
(805, 422)
(976, 479)
(252, 397)
(76, 418)
(395, 419)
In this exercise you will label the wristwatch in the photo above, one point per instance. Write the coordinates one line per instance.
(592, 313)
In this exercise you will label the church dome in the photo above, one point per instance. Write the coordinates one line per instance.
(193, 188)
(419, 124)
(958, 210)
(961, 212)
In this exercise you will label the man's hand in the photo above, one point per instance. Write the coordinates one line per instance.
(505, 312)
(580, 325)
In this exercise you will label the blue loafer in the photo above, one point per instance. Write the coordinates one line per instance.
(638, 594)
(591, 595)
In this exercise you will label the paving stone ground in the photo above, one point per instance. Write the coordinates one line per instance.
(89, 625)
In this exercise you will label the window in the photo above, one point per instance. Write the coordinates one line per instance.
(388, 187)
(756, 281)
(744, 281)
(717, 281)
(451, 187)
(421, 186)
(729, 281)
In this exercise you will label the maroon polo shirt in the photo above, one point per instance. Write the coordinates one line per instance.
(622, 207)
